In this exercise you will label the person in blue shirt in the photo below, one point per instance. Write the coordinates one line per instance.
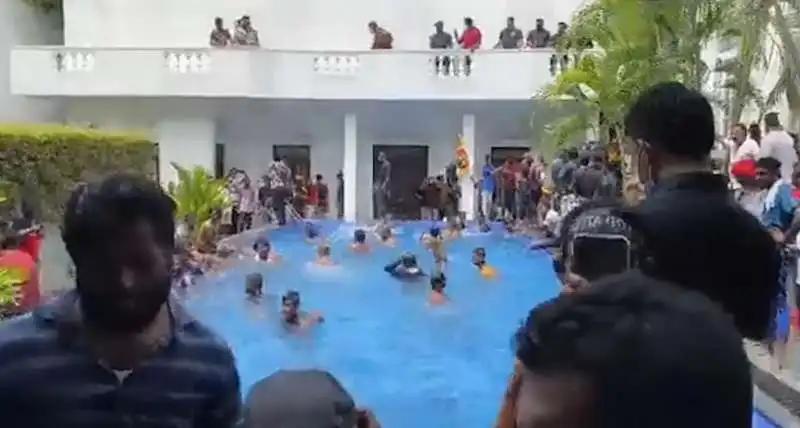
(487, 187)
(778, 216)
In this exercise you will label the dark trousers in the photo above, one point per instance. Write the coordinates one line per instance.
(280, 196)
(245, 221)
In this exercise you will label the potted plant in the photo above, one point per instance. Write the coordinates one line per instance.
(197, 193)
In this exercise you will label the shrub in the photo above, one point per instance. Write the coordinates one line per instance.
(54, 158)
(197, 193)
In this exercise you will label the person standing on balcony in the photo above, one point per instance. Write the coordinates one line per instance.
(381, 37)
(470, 39)
(220, 36)
(559, 42)
(245, 34)
(510, 37)
(441, 40)
(539, 37)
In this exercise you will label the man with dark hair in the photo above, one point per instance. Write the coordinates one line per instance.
(629, 352)
(382, 191)
(778, 144)
(694, 234)
(117, 351)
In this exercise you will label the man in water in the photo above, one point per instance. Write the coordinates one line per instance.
(324, 255)
(359, 244)
(254, 287)
(263, 250)
(405, 267)
(384, 232)
(382, 180)
(291, 314)
(479, 261)
(311, 232)
(117, 331)
(437, 295)
(434, 241)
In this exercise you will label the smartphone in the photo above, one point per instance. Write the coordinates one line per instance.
(596, 256)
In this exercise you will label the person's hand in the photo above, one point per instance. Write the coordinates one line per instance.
(777, 235)
(367, 419)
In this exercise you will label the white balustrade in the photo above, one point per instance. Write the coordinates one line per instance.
(340, 65)
(69, 61)
(188, 61)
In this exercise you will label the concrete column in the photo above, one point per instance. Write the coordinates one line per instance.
(467, 186)
(349, 167)
(186, 141)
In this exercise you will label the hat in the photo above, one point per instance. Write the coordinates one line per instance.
(299, 399)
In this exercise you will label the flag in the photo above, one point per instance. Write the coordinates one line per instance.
(462, 157)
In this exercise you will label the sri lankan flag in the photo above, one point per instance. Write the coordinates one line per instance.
(462, 157)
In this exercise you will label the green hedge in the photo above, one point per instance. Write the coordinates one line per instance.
(52, 158)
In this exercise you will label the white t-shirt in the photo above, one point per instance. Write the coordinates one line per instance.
(779, 145)
(748, 150)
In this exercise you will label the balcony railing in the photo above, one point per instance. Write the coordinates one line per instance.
(263, 73)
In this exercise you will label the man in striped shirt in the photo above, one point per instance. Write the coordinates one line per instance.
(116, 351)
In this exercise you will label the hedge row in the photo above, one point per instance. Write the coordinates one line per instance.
(50, 160)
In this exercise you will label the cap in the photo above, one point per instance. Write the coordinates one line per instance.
(299, 399)
(745, 168)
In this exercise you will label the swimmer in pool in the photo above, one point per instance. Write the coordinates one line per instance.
(453, 228)
(438, 283)
(311, 233)
(434, 241)
(254, 287)
(359, 244)
(384, 232)
(405, 267)
(291, 314)
(264, 253)
(324, 255)
(479, 260)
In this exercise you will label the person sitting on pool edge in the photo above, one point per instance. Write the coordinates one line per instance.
(186, 270)
(264, 253)
(405, 267)
(324, 255)
(479, 260)
(359, 244)
(292, 315)
(254, 287)
(434, 241)
(311, 232)
(437, 295)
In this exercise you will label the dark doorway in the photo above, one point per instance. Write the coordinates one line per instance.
(409, 169)
(297, 157)
(500, 154)
(219, 160)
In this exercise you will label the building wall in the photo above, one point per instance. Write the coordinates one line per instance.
(20, 25)
(249, 129)
(300, 24)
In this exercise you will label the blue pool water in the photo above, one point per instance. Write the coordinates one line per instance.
(414, 365)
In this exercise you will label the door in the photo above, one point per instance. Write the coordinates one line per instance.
(500, 154)
(409, 168)
(297, 157)
(219, 160)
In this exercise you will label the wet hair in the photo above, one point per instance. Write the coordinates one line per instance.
(435, 231)
(641, 344)
(480, 251)
(254, 282)
(324, 250)
(408, 260)
(359, 236)
(770, 164)
(96, 213)
(438, 279)
(662, 115)
(311, 230)
(291, 297)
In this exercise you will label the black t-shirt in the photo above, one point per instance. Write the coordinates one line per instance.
(697, 236)
(587, 182)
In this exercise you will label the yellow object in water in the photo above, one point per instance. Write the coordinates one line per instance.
(488, 272)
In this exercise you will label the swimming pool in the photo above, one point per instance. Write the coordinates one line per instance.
(414, 365)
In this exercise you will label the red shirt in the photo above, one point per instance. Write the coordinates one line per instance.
(471, 39)
(32, 244)
(18, 259)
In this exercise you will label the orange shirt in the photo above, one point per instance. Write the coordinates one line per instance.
(18, 259)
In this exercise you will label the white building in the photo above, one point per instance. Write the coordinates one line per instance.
(313, 91)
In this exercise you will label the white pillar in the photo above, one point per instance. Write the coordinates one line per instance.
(186, 141)
(349, 167)
(467, 186)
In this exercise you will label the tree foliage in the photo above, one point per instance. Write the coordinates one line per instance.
(197, 193)
(46, 6)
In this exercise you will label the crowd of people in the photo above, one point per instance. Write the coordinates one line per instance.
(647, 331)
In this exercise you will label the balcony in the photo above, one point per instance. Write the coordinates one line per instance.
(263, 73)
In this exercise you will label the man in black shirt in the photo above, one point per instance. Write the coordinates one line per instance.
(693, 233)
(510, 37)
(589, 179)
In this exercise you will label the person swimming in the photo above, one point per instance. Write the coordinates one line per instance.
(291, 314)
(324, 255)
(479, 260)
(311, 231)
(438, 284)
(185, 271)
(405, 267)
(254, 286)
(264, 253)
(453, 228)
(434, 241)
(359, 244)
(384, 232)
